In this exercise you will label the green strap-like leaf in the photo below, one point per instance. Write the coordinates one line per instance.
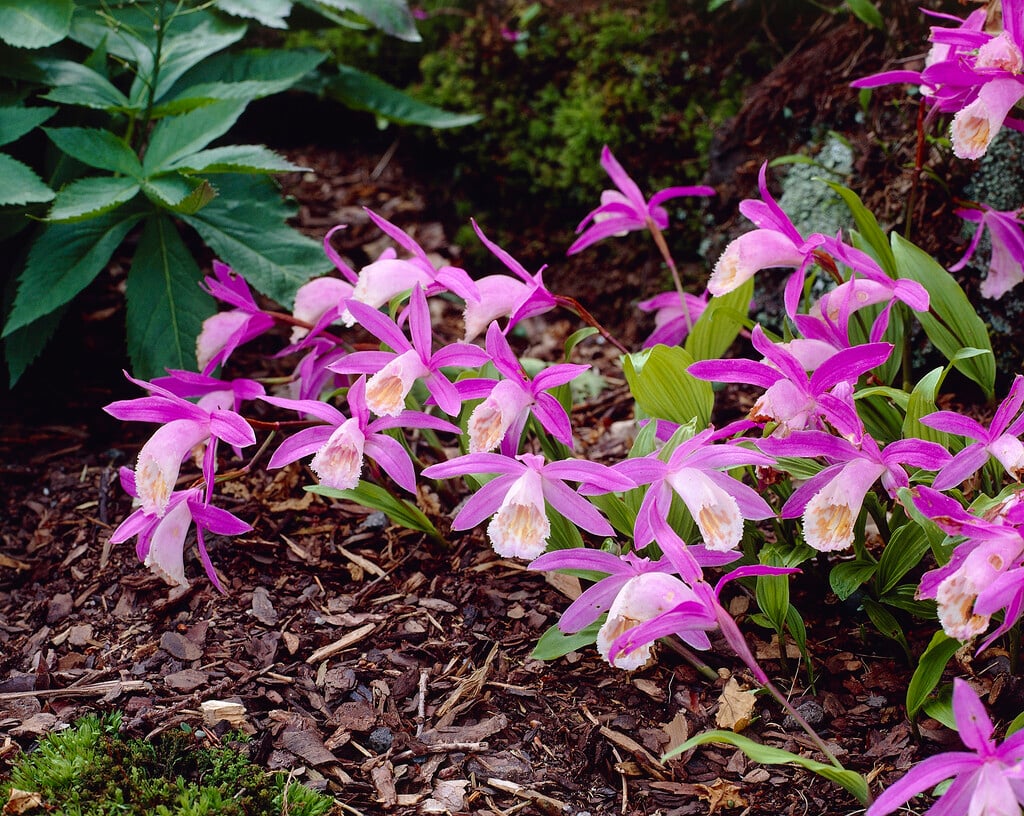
(555, 643)
(922, 403)
(236, 159)
(165, 306)
(19, 184)
(90, 197)
(864, 11)
(271, 13)
(35, 23)
(904, 551)
(245, 226)
(929, 671)
(361, 91)
(97, 148)
(63, 261)
(178, 136)
(769, 755)
(720, 322)
(867, 224)
(664, 389)
(16, 121)
(370, 495)
(847, 576)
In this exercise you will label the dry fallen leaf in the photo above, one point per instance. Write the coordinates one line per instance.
(22, 801)
(721, 795)
(735, 707)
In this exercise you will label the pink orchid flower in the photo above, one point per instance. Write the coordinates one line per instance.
(1006, 265)
(508, 403)
(340, 446)
(160, 540)
(225, 331)
(625, 209)
(395, 372)
(988, 779)
(673, 318)
(319, 303)
(516, 497)
(185, 427)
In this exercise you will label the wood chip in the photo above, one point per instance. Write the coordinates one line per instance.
(179, 646)
(351, 639)
(263, 608)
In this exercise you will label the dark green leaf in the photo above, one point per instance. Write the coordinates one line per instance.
(662, 387)
(864, 11)
(271, 13)
(846, 577)
(390, 16)
(720, 322)
(22, 346)
(96, 148)
(176, 137)
(245, 225)
(19, 183)
(940, 708)
(236, 159)
(361, 91)
(181, 194)
(370, 495)
(769, 755)
(564, 534)
(922, 403)
(75, 84)
(772, 593)
(929, 671)
(63, 261)
(16, 121)
(89, 197)
(165, 306)
(35, 23)
(886, 623)
(554, 643)
(904, 551)
(951, 323)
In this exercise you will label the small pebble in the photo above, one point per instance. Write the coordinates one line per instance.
(810, 710)
(380, 739)
(374, 522)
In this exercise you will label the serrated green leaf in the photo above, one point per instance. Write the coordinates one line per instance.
(390, 16)
(720, 322)
(847, 577)
(165, 305)
(868, 227)
(664, 389)
(97, 148)
(23, 346)
(16, 121)
(271, 13)
(35, 23)
(904, 551)
(376, 497)
(951, 322)
(89, 197)
(176, 137)
(361, 91)
(769, 755)
(866, 13)
(181, 194)
(555, 643)
(236, 159)
(63, 261)
(19, 184)
(73, 83)
(249, 75)
(245, 226)
(929, 671)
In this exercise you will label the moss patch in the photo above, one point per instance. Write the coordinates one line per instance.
(91, 770)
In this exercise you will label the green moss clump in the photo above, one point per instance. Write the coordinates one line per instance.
(91, 770)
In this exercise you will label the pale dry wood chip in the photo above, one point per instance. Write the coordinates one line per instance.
(656, 691)
(383, 778)
(735, 707)
(80, 635)
(361, 562)
(721, 795)
(651, 762)
(291, 642)
(677, 730)
(355, 716)
(351, 639)
(263, 608)
(466, 733)
(12, 563)
(292, 504)
(448, 796)
(35, 726)
(22, 802)
(186, 680)
(231, 712)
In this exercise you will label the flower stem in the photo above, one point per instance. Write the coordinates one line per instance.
(659, 241)
(577, 309)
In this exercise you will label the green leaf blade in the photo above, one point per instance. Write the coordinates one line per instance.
(663, 388)
(176, 137)
(35, 23)
(376, 497)
(236, 159)
(16, 121)
(97, 148)
(91, 197)
(20, 185)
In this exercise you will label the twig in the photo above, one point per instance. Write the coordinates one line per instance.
(421, 706)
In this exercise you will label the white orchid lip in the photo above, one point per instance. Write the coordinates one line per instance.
(339, 462)
(717, 513)
(160, 461)
(387, 389)
(520, 528)
(641, 598)
(492, 418)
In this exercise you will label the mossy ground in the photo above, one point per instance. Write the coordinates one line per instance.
(91, 770)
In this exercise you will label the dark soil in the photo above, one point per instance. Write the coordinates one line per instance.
(379, 665)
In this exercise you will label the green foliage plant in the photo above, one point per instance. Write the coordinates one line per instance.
(90, 769)
(137, 97)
